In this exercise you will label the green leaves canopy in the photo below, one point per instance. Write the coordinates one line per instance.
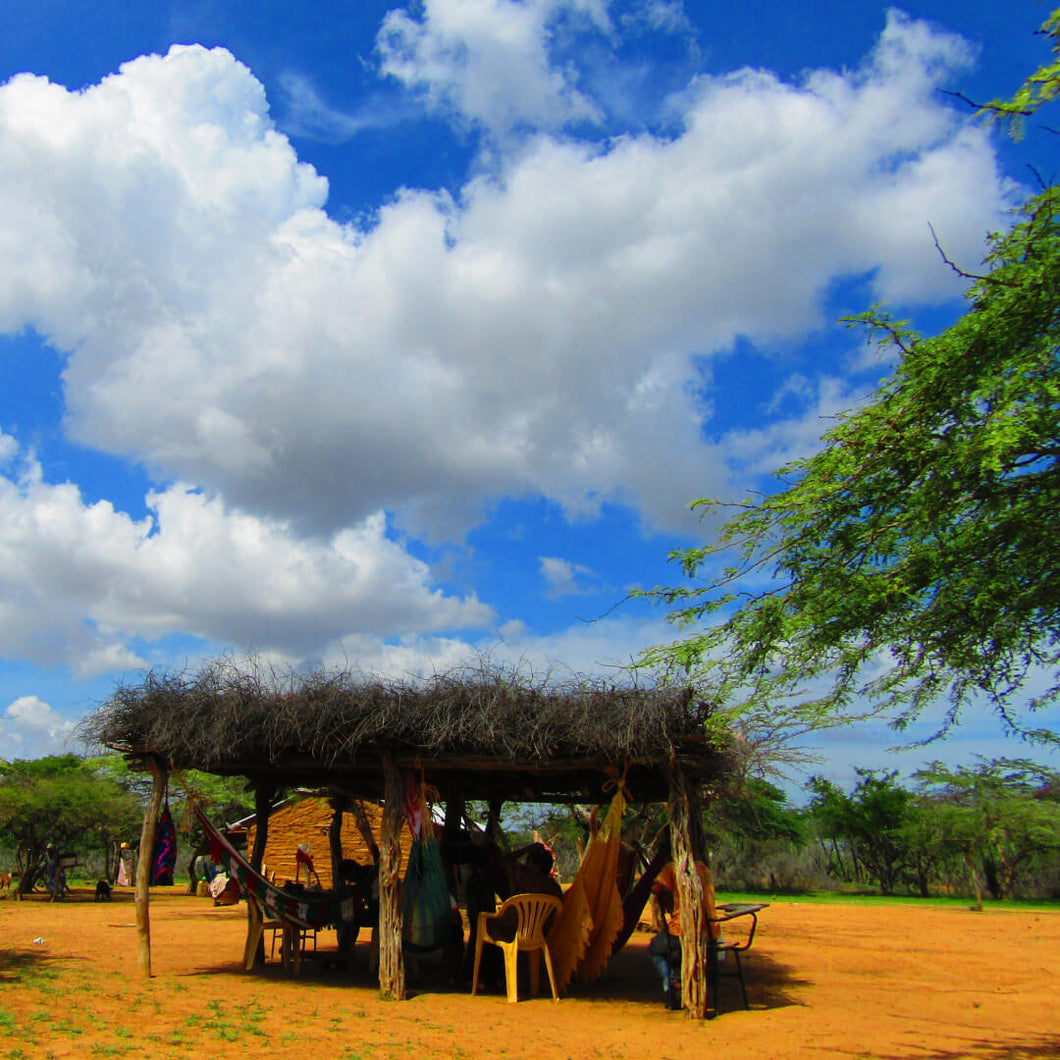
(913, 559)
(62, 799)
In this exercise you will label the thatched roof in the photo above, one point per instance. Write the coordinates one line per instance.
(484, 731)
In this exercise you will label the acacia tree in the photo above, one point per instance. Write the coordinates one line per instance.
(872, 821)
(912, 560)
(754, 836)
(1002, 816)
(64, 800)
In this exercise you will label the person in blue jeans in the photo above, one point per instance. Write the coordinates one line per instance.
(665, 947)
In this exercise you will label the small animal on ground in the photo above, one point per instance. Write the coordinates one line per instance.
(102, 891)
(5, 883)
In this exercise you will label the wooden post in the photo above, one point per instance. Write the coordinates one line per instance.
(144, 864)
(338, 806)
(263, 796)
(686, 841)
(391, 957)
(364, 826)
(454, 822)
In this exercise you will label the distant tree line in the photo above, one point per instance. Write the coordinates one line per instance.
(85, 808)
(992, 828)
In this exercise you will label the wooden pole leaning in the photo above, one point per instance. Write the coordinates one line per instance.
(159, 780)
(254, 951)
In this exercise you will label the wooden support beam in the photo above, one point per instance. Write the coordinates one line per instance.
(159, 779)
(335, 841)
(391, 956)
(264, 793)
(364, 826)
(686, 842)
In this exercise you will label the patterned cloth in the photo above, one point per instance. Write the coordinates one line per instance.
(308, 910)
(165, 850)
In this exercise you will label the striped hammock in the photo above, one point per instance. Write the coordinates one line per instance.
(307, 909)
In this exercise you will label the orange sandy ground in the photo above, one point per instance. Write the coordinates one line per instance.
(824, 980)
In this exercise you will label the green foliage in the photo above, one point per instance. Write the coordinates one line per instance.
(65, 800)
(758, 811)
(873, 821)
(1002, 816)
(994, 826)
(1040, 88)
(756, 838)
(911, 561)
(61, 799)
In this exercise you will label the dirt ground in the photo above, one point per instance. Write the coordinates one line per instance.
(930, 983)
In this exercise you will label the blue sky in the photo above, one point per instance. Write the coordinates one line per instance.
(380, 335)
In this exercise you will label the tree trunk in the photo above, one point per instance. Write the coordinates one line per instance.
(978, 887)
(454, 822)
(686, 842)
(159, 777)
(993, 877)
(391, 957)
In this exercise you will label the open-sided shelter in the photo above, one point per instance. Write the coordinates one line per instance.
(481, 734)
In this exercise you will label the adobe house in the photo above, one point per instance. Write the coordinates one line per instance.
(480, 734)
(308, 819)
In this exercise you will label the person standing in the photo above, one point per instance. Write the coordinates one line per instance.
(125, 866)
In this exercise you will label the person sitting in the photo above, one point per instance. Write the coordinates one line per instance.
(665, 947)
(530, 871)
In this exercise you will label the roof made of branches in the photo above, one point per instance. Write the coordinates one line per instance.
(491, 732)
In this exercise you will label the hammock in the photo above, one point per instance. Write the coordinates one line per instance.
(306, 910)
(165, 858)
(581, 939)
(427, 918)
(426, 905)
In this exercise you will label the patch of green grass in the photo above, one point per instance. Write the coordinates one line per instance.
(102, 1049)
(863, 897)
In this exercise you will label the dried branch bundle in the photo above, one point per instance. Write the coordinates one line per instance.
(229, 711)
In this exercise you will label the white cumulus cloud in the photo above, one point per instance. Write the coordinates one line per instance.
(532, 334)
(79, 581)
(564, 578)
(30, 728)
(488, 61)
